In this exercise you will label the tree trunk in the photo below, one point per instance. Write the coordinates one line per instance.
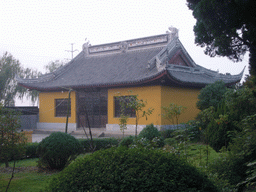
(6, 162)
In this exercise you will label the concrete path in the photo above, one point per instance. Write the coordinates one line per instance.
(38, 135)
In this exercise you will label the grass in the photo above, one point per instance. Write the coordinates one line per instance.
(195, 153)
(27, 179)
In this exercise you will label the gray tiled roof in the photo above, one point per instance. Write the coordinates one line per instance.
(136, 63)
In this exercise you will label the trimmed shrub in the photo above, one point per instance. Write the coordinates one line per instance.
(98, 143)
(126, 169)
(58, 150)
(149, 132)
(31, 150)
(127, 141)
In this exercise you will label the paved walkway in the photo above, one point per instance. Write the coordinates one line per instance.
(39, 134)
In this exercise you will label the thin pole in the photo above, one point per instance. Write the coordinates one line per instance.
(66, 130)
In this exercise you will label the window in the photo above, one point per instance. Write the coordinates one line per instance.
(128, 111)
(61, 106)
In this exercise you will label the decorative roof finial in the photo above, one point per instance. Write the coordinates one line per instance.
(86, 46)
(173, 32)
(123, 46)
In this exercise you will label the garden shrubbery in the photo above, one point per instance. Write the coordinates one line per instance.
(127, 141)
(149, 132)
(57, 150)
(31, 150)
(130, 169)
(98, 144)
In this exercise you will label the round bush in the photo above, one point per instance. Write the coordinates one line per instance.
(57, 150)
(130, 169)
(149, 132)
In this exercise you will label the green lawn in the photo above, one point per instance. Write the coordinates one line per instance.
(28, 178)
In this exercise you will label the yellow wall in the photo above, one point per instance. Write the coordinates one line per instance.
(182, 97)
(47, 107)
(156, 97)
(151, 94)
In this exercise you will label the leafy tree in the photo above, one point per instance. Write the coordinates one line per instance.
(27, 73)
(9, 89)
(53, 65)
(8, 86)
(211, 95)
(12, 142)
(173, 112)
(138, 106)
(226, 28)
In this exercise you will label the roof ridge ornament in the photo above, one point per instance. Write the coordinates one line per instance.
(172, 33)
(123, 46)
(86, 46)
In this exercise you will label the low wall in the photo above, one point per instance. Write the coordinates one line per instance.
(56, 126)
(28, 135)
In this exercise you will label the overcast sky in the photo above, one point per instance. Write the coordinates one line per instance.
(37, 32)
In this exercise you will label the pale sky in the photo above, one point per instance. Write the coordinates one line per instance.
(37, 32)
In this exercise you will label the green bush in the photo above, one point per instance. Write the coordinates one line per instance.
(149, 137)
(168, 133)
(149, 132)
(57, 150)
(170, 141)
(98, 144)
(31, 150)
(130, 169)
(127, 141)
(232, 165)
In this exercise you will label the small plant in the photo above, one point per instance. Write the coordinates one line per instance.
(172, 113)
(57, 150)
(123, 116)
(134, 103)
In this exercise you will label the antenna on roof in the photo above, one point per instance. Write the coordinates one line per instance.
(72, 51)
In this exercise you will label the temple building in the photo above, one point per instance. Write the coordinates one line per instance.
(157, 68)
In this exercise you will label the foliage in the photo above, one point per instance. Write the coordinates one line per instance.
(99, 143)
(124, 169)
(194, 130)
(27, 73)
(149, 132)
(31, 150)
(27, 178)
(11, 141)
(173, 112)
(217, 134)
(149, 137)
(167, 133)
(127, 141)
(123, 117)
(220, 124)
(10, 67)
(53, 65)
(211, 95)
(138, 106)
(232, 165)
(58, 150)
(9, 89)
(240, 103)
(156, 142)
(226, 28)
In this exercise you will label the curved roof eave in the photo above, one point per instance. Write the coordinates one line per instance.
(106, 85)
